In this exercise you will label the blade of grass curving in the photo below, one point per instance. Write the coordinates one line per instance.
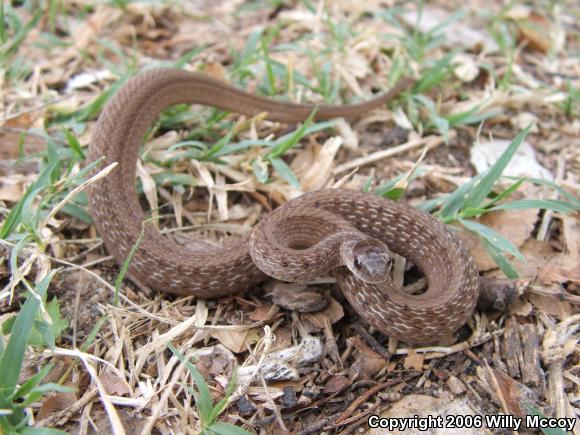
(506, 193)
(203, 396)
(125, 267)
(222, 428)
(11, 362)
(544, 204)
(218, 146)
(40, 431)
(500, 259)
(285, 172)
(33, 381)
(551, 184)
(493, 238)
(15, 215)
(74, 144)
(430, 205)
(455, 201)
(286, 143)
(11, 45)
(221, 405)
(43, 389)
(2, 25)
(93, 333)
(484, 187)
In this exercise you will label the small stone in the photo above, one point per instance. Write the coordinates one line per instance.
(245, 407)
(289, 397)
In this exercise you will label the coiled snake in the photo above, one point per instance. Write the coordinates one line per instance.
(343, 232)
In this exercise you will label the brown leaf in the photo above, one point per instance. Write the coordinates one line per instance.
(562, 269)
(414, 360)
(514, 393)
(265, 313)
(332, 313)
(367, 362)
(55, 403)
(336, 383)
(535, 30)
(114, 385)
(236, 341)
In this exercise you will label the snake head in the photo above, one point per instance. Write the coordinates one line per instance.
(368, 259)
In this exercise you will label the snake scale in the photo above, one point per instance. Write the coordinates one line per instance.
(346, 233)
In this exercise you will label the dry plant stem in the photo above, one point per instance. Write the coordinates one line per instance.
(429, 142)
(114, 420)
(162, 400)
(363, 398)
(548, 215)
(61, 417)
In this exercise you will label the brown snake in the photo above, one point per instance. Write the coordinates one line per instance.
(317, 233)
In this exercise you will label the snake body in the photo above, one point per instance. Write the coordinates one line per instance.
(344, 232)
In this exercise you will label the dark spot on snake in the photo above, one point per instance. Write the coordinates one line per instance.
(284, 263)
(317, 204)
(306, 264)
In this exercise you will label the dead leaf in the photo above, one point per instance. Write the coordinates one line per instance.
(513, 392)
(114, 385)
(332, 313)
(265, 313)
(414, 360)
(367, 362)
(336, 383)
(561, 269)
(236, 341)
(523, 163)
(536, 31)
(55, 403)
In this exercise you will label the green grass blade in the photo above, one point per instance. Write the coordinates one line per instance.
(74, 143)
(484, 187)
(548, 431)
(455, 201)
(11, 362)
(40, 431)
(203, 399)
(227, 429)
(500, 259)
(125, 267)
(221, 405)
(493, 238)
(33, 381)
(284, 145)
(12, 44)
(506, 193)
(285, 172)
(15, 216)
(544, 204)
(94, 331)
(552, 185)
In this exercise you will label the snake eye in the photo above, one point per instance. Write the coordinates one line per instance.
(368, 259)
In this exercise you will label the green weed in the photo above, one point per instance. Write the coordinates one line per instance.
(208, 411)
